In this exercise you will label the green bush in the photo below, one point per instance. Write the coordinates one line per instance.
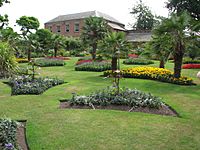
(8, 130)
(93, 66)
(191, 62)
(46, 62)
(8, 62)
(22, 85)
(128, 97)
(137, 61)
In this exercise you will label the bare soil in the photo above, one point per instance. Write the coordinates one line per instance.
(163, 110)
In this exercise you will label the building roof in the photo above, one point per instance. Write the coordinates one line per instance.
(139, 36)
(115, 26)
(84, 15)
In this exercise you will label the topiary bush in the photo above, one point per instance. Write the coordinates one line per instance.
(137, 61)
(22, 85)
(93, 66)
(126, 96)
(8, 130)
(153, 73)
(46, 62)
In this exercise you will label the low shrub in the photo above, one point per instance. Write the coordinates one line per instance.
(93, 66)
(128, 97)
(22, 60)
(8, 130)
(153, 73)
(21, 85)
(137, 61)
(45, 62)
(191, 66)
(190, 61)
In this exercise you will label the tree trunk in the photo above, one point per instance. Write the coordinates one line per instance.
(29, 54)
(178, 59)
(114, 63)
(93, 53)
(55, 51)
(162, 64)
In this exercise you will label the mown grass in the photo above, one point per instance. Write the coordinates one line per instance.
(50, 128)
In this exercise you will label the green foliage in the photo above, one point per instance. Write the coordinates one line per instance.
(144, 16)
(22, 85)
(191, 6)
(137, 61)
(190, 61)
(93, 66)
(3, 1)
(94, 30)
(46, 62)
(8, 130)
(7, 60)
(126, 96)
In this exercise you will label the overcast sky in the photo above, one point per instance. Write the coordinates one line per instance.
(46, 10)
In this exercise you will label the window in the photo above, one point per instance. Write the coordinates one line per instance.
(58, 28)
(76, 27)
(67, 28)
(50, 28)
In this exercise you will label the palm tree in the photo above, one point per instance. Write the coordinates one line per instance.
(94, 30)
(113, 46)
(175, 26)
(159, 48)
(57, 43)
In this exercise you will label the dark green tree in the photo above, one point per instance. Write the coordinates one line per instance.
(175, 26)
(28, 26)
(94, 30)
(57, 42)
(144, 17)
(191, 6)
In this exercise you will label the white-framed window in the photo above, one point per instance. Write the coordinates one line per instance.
(67, 28)
(58, 29)
(76, 27)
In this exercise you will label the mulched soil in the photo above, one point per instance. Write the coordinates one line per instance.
(21, 136)
(163, 110)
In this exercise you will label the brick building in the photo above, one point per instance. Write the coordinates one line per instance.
(71, 24)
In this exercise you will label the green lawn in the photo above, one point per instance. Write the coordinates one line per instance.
(50, 128)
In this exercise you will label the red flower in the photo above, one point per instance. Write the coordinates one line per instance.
(58, 57)
(191, 66)
(132, 56)
(83, 61)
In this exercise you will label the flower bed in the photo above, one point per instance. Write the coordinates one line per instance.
(137, 61)
(22, 60)
(191, 62)
(83, 61)
(45, 62)
(132, 56)
(58, 57)
(8, 130)
(191, 66)
(93, 66)
(153, 73)
(22, 85)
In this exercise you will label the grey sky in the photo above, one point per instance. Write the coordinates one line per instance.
(45, 10)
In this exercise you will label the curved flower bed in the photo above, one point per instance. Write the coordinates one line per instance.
(83, 61)
(58, 57)
(191, 66)
(93, 66)
(46, 62)
(22, 85)
(153, 73)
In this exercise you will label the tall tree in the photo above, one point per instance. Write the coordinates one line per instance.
(175, 26)
(94, 30)
(28, 25)
(191, 6)
(57, 43)
(144, 17)
(3, 18)
(113, 46)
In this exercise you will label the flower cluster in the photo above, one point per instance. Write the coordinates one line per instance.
(22, 60)
(58, 57)
(132, 56)
(45, 62)
(153, 73)
(83, 61)
(191, 66)
(25, 85)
